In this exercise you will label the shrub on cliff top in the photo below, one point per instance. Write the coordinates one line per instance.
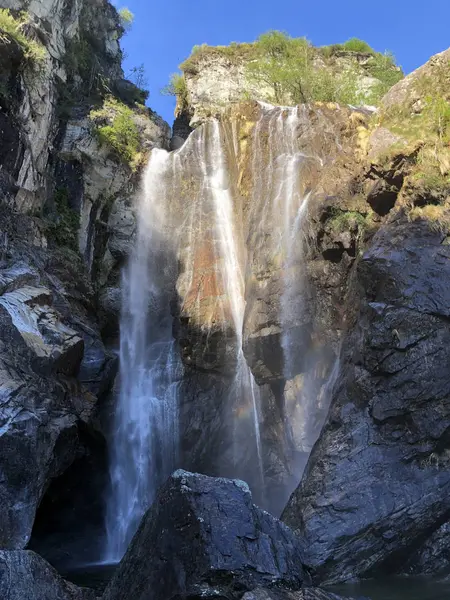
(176, 87)
(356, 45)
(34, 51)
(286, 66)
(294, 71)
(116, 128)
(126, 18)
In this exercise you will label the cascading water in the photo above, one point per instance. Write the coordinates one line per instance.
(145, 437)
(228, 249)
(189, 275)
(280, 203)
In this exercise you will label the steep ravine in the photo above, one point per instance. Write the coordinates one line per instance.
(283, 320)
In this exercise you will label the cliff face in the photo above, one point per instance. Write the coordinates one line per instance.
(61, 192)
(374, 497)
(366, 271)
(301, 253)
(272, 287)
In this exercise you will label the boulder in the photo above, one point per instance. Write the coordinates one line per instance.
(378, 480)
(24, 575)
(202, 538)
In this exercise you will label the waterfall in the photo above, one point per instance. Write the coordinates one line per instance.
(201, 245)
(280, 202)
(243, 396)
(145, 437)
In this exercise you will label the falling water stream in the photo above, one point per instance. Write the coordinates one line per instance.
(145, 440)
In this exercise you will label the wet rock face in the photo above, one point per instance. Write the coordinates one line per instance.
(377, 483)
(26, 575)
(53, 368)
(204, 538)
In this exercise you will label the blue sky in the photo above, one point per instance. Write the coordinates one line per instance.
(164, 31)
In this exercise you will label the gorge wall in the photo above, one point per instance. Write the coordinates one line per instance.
(288, 297)
(65, 219)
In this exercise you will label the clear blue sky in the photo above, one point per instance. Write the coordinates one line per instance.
(164, 31)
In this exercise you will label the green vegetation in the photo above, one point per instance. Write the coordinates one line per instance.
(356, 45)
(34, 51)
(342, 221)
(383, 68)
(422, 120)
(437, 216)
(64, 230)
(126, 18)
(285, 65)
(177, 87)
(351, 45)
(116, 128)
(234, 52)
(291, 71)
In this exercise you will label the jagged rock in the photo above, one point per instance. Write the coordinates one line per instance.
(26, 576)
(54, 345)
(48, 338)
(378, 480)
(433, 557)
(204, 538)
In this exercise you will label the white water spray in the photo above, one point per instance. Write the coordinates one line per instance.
(145, 435)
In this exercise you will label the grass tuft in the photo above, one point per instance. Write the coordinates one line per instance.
(14, 26)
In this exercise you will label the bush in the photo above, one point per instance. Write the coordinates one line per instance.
(343, 221)
(116, 128)
(177, 87)
(357, 45)
(286, 65)
(34, 51)
(126, 18)
(383, 68)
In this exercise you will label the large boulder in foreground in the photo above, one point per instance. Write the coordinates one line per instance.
(24, 575)
(377, 484)
(204, 538)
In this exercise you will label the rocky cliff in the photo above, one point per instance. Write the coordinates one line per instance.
(367, 272)
(64, 203)
(374, 497)
(302, 253)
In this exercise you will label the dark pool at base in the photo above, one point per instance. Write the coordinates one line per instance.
(398, 588)
(95, 577)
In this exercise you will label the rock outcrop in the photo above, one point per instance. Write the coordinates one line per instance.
(204, 538)
(374, 499)
(216, 77)
(24, 574)
(378, 481)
